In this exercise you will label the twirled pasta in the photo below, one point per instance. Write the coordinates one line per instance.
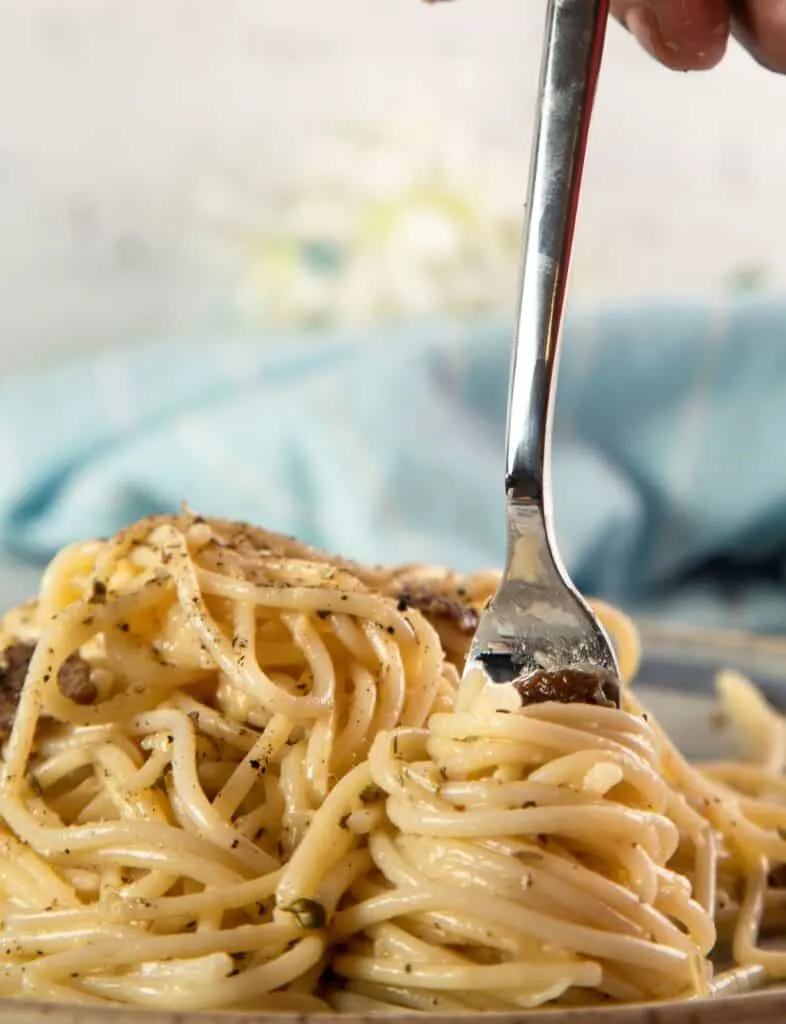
(271, 792)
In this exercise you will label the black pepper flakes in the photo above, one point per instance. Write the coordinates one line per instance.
(309, 914)
(371, 794)
(35, 785)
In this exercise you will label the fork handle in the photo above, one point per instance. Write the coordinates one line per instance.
(573, 46)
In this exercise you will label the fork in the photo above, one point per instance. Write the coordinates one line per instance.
(538, 634)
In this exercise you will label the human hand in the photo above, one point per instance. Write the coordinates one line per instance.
(691, 35)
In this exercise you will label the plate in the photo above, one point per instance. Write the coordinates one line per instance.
(676, 681)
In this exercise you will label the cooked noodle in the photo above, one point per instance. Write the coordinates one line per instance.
(269, 791)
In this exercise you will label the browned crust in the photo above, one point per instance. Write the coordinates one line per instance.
(73, 679)
(568, 686)
(435, 604)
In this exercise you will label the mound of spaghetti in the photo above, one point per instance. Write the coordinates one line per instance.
(239, 773)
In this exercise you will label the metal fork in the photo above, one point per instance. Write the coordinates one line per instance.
(538, 633)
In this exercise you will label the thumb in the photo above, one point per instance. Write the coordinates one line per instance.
(683, 36)
(760, 25)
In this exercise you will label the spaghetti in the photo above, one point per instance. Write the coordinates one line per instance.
(243, 774)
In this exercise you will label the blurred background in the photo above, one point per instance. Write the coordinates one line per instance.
(208, 208)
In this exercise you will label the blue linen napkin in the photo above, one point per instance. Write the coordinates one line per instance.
(670, 476)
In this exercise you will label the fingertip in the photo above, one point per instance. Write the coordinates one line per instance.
(700, 59)
(681, 45)
(760, 25)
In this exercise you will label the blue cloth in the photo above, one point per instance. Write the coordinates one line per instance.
(669, 468)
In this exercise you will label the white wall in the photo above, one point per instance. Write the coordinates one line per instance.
(119, 117)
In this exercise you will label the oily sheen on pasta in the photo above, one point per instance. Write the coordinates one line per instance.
(240, 774)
